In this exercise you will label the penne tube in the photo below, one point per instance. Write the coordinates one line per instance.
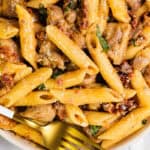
(29, 133)
(145, 52)
(19, 70)
(129, 93)
(76, 115)
(66, 80)
(37, 3)
(106, 69)
(25, 86)
(142, 59)
(133, 50)
(144, 97)
(27, 35)
(7, 29)
(103, 15)
(22, 73)
(140, 85)
(20, 129)
(119, 10)
(71, 49)
(92, 9)
(100, 118)
(129, 124)
(11, 68)
(137, 81)
(86, 96)
(36, 98)
(120, 52)
(140, 11)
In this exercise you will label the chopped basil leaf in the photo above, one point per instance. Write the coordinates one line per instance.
(66, 9)
(94, 129)
(102, 41)
(57, 73)
(71, 5)
(144, 121)
(42, 14)
(41, 87)
(133, 42)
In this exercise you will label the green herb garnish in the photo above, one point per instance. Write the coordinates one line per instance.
(102, 41)
(144, 121)
(42, 14)
(133, 42)
(94, 129)
(57, 73)
(71, 5)
(41, 87)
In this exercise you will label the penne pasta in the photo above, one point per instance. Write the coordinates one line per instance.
(19, 70)
(133, 50)
(103, 63)
(143, 91)
(92, 9)
(25, 86)
(120, 52)
(66, 80)
(86, 96)
(139, 12)
(27, 132)
(37, 3)
(100, 118)
(129, 93)
(20, 129)
(75, 115)
(103, 15)
(82, 62)
(27, 35)
(138, 81)
(70, 49)
(145, 52)
(22, 73)
(129, 124)
(144, 97)
(142, 59)
(119, 10)
(36, 98)
(7, 29)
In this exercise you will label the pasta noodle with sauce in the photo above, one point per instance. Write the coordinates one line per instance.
(86, 63)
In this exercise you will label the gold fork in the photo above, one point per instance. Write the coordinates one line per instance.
(56, 135)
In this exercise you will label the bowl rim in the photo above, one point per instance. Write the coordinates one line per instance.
(24, 144)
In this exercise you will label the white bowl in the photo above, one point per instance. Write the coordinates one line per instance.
(134, 142)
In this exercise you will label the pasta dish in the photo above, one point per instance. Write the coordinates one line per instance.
(83, 62)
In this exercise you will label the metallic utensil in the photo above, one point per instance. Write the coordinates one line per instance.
(56, 135)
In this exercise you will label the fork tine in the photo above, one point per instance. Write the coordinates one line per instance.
(77, 134)
(68, 145)
(75, 141)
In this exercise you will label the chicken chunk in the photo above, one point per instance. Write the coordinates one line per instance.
(49, 56)
(44, 113)
(55, 14)
(82, 16)
(9, 51)
(8, 7)
(60, 110)
(134, 4)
